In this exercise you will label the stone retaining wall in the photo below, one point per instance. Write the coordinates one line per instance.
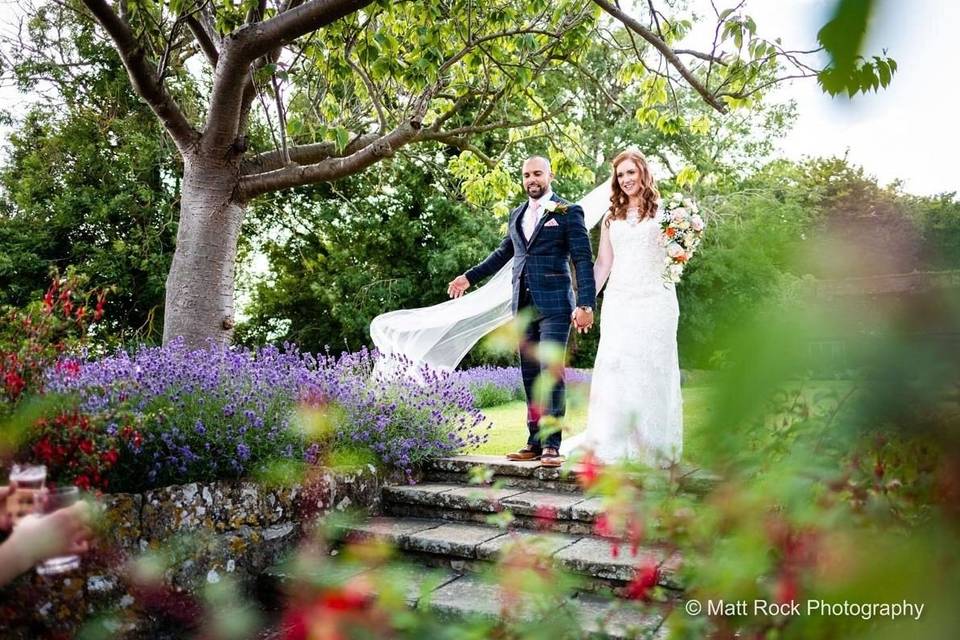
(185, 537)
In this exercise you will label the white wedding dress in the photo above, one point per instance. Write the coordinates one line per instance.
(635, 410)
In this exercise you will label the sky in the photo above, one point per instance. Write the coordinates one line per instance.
(908, 131)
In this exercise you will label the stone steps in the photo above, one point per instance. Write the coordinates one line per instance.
(471, 547)
(454, 522)
(569, 512)
(460, 595)
(535, 477)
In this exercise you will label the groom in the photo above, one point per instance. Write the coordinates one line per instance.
(543, 234)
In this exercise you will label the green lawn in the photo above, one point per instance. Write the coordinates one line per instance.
(509, 430)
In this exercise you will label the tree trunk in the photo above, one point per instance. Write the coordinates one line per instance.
(200, 287)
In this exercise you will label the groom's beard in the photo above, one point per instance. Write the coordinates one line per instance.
(535, 191)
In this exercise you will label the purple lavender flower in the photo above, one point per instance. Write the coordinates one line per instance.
(214, 411)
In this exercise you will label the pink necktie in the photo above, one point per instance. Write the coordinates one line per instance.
(530, 219)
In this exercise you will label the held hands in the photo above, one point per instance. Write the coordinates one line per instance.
(582, 320)
(457, 286)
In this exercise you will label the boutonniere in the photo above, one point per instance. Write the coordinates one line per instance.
(555, 207)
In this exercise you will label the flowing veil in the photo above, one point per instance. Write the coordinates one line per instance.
(441, 335)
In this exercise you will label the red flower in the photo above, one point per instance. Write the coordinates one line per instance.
(81, 312)
(344, 600)
(644, 580)
(879, 469)
(14, 383)
(82, 481)
(786, 589)
(545, 515)
(110, 457)
(86, 446)
(602, 526)
(589, 471)
(69, 367)
(671, 232)
(634, 534)
(98, 312)
(534, 413)
(43, 449)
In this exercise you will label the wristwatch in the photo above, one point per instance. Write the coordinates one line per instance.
(587, 309)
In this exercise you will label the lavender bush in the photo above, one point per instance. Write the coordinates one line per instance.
(492, 386)
(222, 412)
(402, 421)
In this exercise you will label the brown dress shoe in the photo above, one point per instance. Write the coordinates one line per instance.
(551, 458)
(526, 453)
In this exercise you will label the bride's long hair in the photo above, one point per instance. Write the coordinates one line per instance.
(649, 196)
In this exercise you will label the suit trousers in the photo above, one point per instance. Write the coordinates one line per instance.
(544, 388)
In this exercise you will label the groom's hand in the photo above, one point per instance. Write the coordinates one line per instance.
(457, 286)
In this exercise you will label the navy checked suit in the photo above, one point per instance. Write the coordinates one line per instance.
(542, 287)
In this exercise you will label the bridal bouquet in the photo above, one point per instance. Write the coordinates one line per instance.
(681, 230)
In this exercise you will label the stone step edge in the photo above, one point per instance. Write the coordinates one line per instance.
(485, 499)
(696, 479)
(486, 549)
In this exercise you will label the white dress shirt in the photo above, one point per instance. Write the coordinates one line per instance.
(533, 213)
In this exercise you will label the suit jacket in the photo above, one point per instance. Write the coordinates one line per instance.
(545, 260)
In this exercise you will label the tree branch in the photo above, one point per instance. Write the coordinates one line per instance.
(259, 39)
(664, 49)
(445, 136)
(330, 169)
(701, 55)
(305, 154)
(144, 80)
(204, 39)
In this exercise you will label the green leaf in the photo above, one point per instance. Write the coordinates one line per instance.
(342, 137)
(689, 175)
(843, 35)
(700, 125)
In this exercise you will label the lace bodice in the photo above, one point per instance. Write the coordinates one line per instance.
(638, 257)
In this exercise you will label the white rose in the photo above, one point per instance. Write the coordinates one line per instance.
(683, 224)
(674, 250)
(675, 271)
(550, 205)
(697, 222)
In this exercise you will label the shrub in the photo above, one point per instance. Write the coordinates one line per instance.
(404, 414)
(175, 414)
(492, 386)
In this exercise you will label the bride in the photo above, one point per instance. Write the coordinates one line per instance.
(635, 410)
